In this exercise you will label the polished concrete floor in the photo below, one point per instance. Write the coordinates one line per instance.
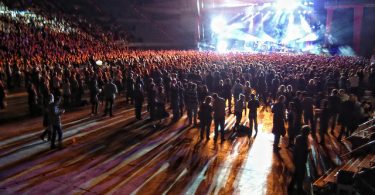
(121, 155)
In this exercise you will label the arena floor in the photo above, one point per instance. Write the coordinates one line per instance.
(120, 155)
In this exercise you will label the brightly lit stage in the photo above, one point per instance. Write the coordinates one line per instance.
(260, 26)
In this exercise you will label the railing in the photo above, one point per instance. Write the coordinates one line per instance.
(363, 130)
(363, 147)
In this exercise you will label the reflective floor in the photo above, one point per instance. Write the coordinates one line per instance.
(120, 155)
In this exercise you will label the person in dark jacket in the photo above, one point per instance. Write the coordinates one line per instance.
(334, 103)
(278, 128)
(94, 95)
(205, 117)
(110, 91)
(175, 99)
(253, 106)
(151, 95)
(138, 101)
(55, 117)
(227, 94)
(192, 103)
(300, 155)
(308, 111)
(219, 116)
(181, 92)
(238, 108)
(32, 100)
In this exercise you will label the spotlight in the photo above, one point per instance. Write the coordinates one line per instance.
(287, 5)
(218, 24)
(222, 46)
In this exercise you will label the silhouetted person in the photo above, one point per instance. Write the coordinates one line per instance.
(278, 128)
(138, 101)
(94, 95)
(238, 108)
(55, 117)
(192, 103)
(308, 111)
(32, 100)
(300, 154)
(227, 94)
(219, 116)
(334, 103)
(253, 106)
(175, 99)
(205, 116)
(110, 91)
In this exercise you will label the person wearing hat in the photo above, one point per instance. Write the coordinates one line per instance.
(300, 154)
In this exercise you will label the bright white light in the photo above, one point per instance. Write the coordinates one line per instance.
(287, 5)
(222, 46)
(218, 24)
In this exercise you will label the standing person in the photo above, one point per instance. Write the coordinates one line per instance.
(32, 99)
(237, 89)
(110, 91)
(247, 93)
(94, 95)
(192, 103)
(130, 89)
(55, 117)
(334, 103)
(238, 108)
(308, 112)
(151, 94)
(47, 104)
(181, 92)
(205, 116)
(175, 100)
(227, 94)
(323, 122)
(253, 106)
(219, 116)
(138, 100)
(278, 128)
(66, 93)
(300, 154)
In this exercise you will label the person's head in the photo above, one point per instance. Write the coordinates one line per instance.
(341, 91)
(281, 99)
(335, 92)
(252, 96)
(215, 96)
(289, 88)
(208, 100)
(247, 84)
(291, 106)
(242, 97)
(51, 99)
(305, 130)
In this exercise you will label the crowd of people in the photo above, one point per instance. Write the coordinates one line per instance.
(299, 89)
